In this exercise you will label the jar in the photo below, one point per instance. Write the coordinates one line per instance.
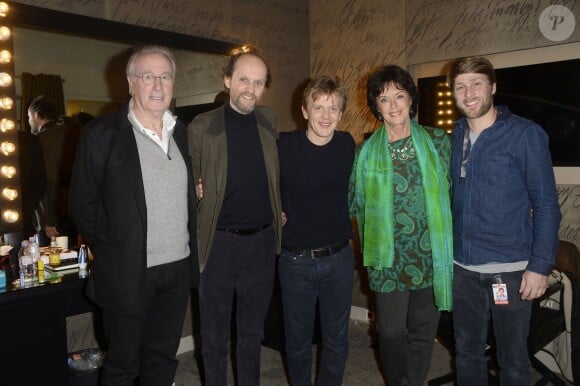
(54, 257)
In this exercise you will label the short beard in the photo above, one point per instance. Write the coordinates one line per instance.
(484, 109)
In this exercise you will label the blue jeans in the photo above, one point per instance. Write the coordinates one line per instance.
(472, 303)
(303, 280)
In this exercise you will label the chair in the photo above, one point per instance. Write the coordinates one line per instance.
(555, 322)
(546, 324)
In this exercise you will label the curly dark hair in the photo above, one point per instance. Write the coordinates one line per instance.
(382, 77)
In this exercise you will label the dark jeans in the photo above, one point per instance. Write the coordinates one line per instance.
(244, 266)
(472, 302)
(407, 324)
(303, 280)
(144, 344)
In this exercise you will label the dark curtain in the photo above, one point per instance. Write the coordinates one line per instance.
(40, 84)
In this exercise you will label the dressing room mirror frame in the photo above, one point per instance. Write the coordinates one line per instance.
(44, 19)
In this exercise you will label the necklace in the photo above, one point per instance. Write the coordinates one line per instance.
(403, 153)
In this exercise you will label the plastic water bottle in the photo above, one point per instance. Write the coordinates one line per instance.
(83, 257)
(34, 252)
(25, 261)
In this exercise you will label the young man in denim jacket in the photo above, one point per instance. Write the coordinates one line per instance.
(505, 219)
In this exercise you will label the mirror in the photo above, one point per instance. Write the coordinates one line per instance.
(90, 55)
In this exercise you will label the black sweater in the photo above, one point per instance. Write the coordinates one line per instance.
(314, 183)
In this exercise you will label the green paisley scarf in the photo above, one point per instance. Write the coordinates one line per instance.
(371, 202)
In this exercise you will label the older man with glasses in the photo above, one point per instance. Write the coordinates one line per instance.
(132, 198)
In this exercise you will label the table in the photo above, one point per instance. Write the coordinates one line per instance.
(33, 347)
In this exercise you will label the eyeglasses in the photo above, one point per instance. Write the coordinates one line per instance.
(149, 79)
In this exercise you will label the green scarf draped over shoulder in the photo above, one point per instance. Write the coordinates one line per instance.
(371, 202)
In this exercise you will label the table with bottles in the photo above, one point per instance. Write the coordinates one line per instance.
(33, 349)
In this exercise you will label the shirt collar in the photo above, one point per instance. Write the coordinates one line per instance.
(168, 120)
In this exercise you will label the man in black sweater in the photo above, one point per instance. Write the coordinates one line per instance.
(316, 261)
(235, 160)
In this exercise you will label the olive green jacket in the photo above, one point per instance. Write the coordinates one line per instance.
(208, 150)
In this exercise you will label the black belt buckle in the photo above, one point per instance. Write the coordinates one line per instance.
(319, 253)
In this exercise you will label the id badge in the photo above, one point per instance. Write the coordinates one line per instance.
(500, 293)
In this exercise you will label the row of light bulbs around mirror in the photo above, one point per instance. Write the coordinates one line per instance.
(445, 101)
(7, 147)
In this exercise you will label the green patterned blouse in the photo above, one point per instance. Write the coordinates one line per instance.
(412, 266)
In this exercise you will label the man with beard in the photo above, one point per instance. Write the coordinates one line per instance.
(505, 225)
(235, 161)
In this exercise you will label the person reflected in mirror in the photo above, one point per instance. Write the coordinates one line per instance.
(400, 198)
(506, 219)
(32, 181)
(233, 150)
(132, 198)
(46, 125)
(317, 262)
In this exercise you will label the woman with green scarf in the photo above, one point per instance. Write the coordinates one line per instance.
(399, 196)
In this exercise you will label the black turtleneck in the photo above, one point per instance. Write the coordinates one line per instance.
(246, 201)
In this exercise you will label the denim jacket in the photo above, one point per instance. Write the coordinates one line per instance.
(506, 208)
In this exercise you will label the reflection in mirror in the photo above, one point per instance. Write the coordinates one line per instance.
(90, 55)
(92, 70)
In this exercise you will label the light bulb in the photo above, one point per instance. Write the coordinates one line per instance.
(8, 171)
(5, 56)
(4, 8)
(10, 194)
(6, 103)
(6, 124)
(7, 147)
(10, 216)
(5, 79)
(5, 33)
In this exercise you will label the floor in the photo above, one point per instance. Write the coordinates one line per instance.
(361, 369)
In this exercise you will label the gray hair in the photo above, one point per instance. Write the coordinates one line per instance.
(148, 50)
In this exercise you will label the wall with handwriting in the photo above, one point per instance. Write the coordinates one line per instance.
(439, 30)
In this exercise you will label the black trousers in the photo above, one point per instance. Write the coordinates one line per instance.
(143, 345)
(244, 266)
(408, 323)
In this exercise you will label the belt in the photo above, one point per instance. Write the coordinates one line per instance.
(319, 252)
(243, 232)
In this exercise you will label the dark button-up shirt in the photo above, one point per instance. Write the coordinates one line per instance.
(506, 208)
